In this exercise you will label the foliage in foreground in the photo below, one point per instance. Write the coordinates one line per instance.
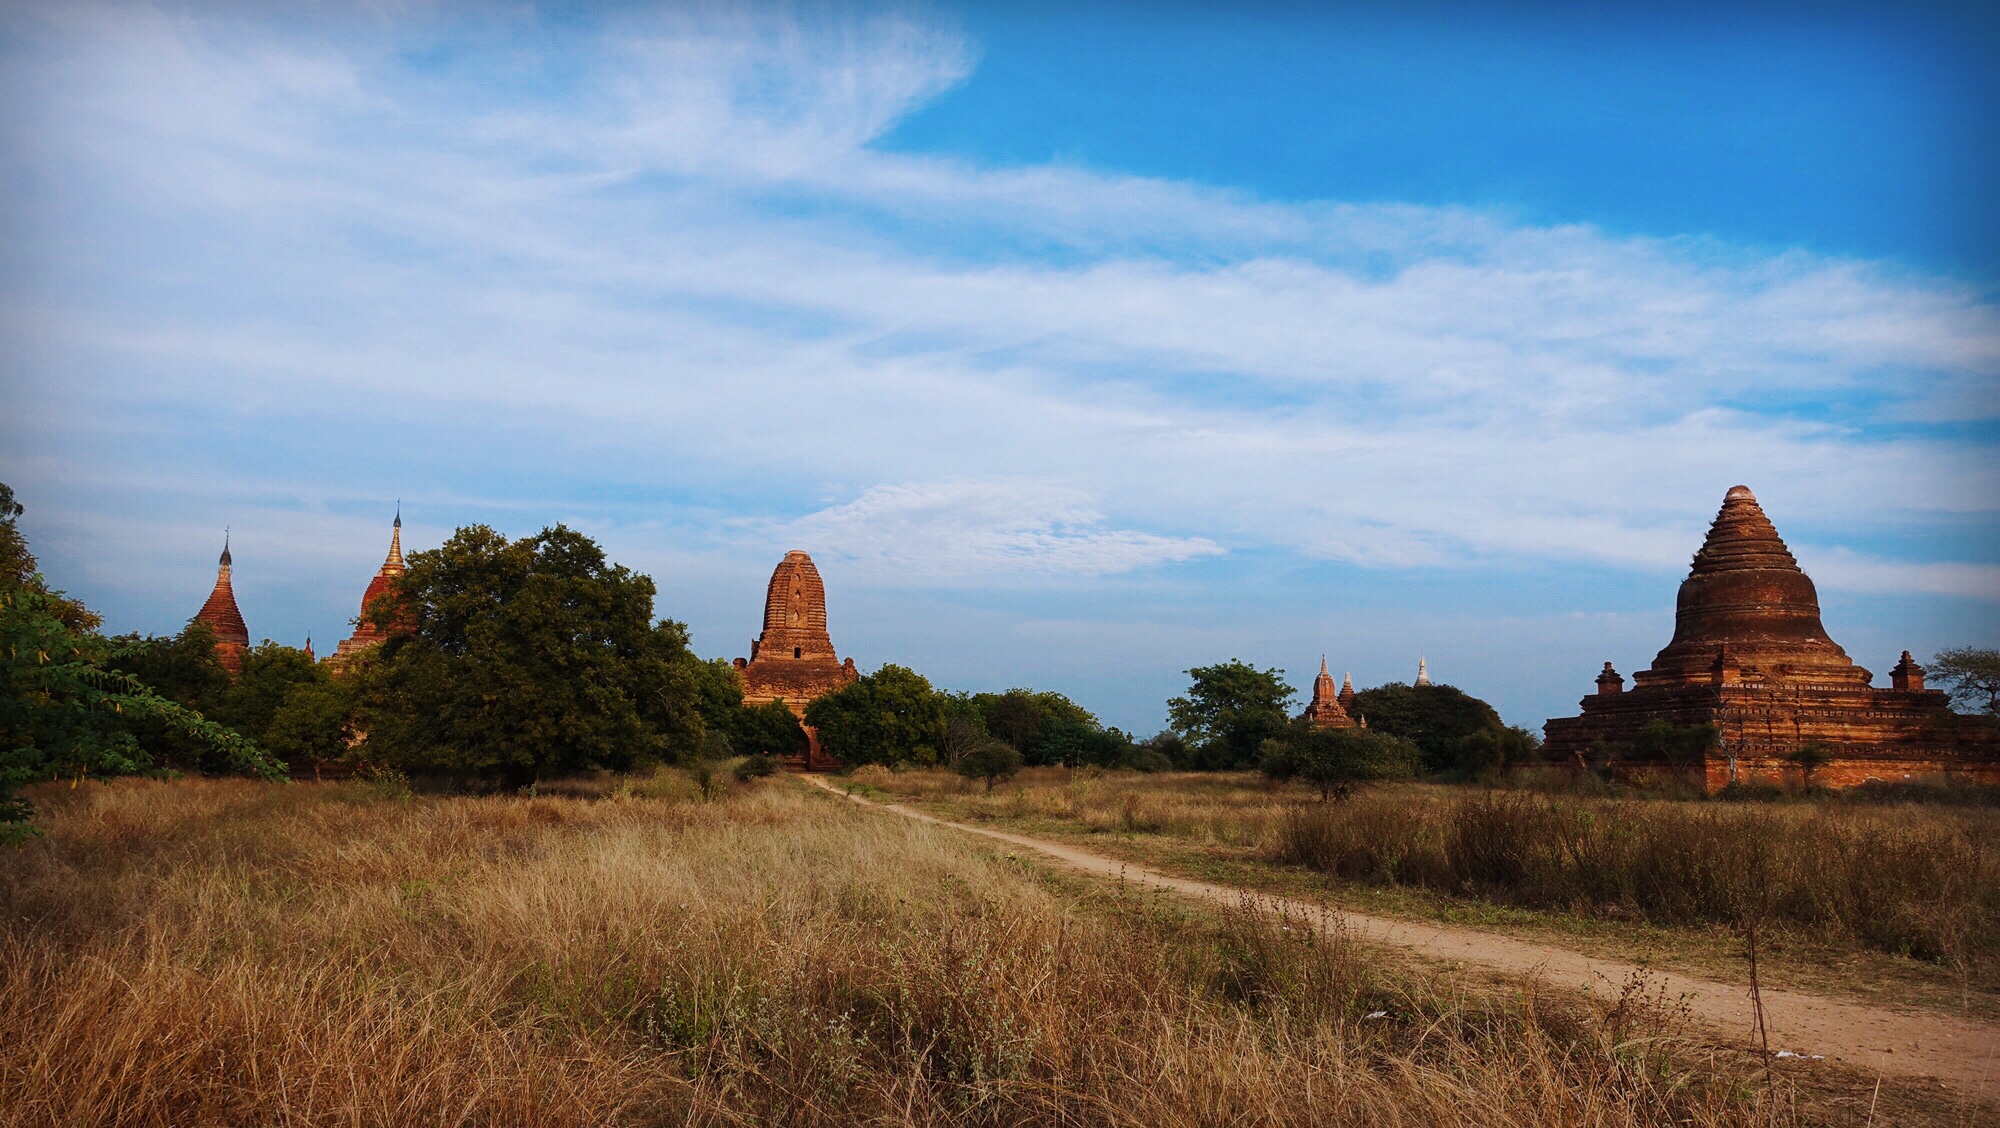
(657, 959)
(66, 710)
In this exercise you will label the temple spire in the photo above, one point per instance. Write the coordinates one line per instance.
(223, 618)
(1423, 671)
(394, 563)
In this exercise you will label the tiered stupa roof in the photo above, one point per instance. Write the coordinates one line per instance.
(1747, 594)
(1751, 660)
(232, 638)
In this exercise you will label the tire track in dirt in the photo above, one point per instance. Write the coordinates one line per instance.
(1962, 1053)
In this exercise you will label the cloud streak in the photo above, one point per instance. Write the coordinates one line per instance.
(677, 250)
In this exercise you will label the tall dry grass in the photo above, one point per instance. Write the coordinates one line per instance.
(237, 953)
(1915, 880)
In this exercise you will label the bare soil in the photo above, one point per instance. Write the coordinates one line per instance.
(1961, 1053)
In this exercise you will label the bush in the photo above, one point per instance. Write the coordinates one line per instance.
(1144, 758)
(990, 762)
(755, 767)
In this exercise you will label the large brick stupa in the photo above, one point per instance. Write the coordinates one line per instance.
(793, 660)
(1750, 656)
(232, 638)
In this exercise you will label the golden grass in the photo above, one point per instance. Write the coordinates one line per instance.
(223, 952)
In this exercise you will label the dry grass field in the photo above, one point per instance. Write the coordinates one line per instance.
(1899, 896)
(226, 952)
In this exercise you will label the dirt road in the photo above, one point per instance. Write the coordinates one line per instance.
(1959, 1052)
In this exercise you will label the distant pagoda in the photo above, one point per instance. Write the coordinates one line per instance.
(793, 660)
(369, 634)
(1328, 708)
(1750, 657)
(232, 638)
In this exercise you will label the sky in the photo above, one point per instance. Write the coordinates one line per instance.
(1079, 344)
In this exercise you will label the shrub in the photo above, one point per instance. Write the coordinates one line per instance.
(991, 761)
(755, 767)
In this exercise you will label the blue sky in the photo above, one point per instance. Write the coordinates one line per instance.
(1078, 346)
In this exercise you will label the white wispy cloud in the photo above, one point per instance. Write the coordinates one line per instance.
(681, 255)
(974, 532)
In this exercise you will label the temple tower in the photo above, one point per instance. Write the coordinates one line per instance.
(232, 638)
(1750, 657)
(1346, 695)
(368, 633)
(793, 660)
(1326, 709)
(1423, 671)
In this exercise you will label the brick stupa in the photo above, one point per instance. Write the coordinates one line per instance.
(232, 638)
(1750, 656)
(1327, 709)
(793, 661)
(367, 632)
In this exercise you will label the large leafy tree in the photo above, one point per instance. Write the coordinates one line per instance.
(1437, 718)
(1048, 728)
(1230, 710)
(1335, 759)
(891, 716)
(1972, 675)
(526, 659)
(66, 711)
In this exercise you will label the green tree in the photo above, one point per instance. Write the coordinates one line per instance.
(66, 711)
(718, 697)
(1335, 759)
(316, 723)
(891, 716)
(1437, 718)
(18, 569)
(1493, 752)
(1971, 674)
(770, 729)
(1044, 727)
(993, 760)
(1230, 710)
(527, 659)
(270, 672)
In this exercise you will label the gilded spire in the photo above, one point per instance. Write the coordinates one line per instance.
(394, 563)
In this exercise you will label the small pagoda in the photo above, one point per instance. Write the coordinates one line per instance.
(1328, 708)
(793, 661)
(1750, 657)
(232, 638)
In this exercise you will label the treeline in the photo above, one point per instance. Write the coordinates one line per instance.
(511, 661)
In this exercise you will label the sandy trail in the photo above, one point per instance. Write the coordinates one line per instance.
(1959, 1052)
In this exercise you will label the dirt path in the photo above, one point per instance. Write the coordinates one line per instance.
(1962, 1053)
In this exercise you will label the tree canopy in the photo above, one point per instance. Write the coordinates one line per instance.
(891, 716)
(1335, 759)
(525, 659)
(1971, 674)
(1230, 710)
(66, 709)
(1436, 718)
